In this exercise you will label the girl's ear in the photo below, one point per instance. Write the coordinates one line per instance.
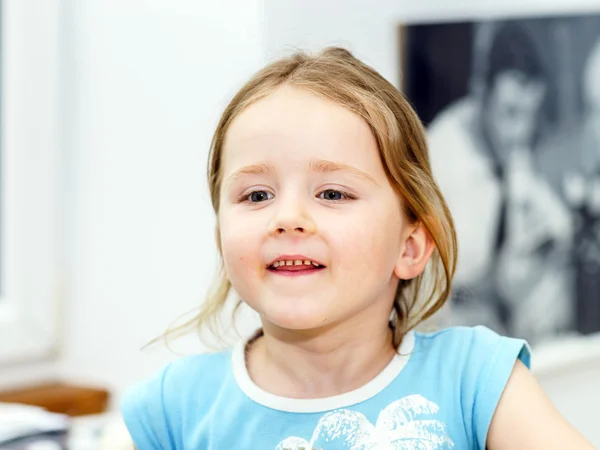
(415, 253)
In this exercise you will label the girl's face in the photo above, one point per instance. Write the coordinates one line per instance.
(311, 231)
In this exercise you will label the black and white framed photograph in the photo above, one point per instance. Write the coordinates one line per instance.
(512, 113)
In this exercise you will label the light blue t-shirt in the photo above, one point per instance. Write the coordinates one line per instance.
(440, 392)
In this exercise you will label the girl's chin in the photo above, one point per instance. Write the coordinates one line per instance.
(294, 322)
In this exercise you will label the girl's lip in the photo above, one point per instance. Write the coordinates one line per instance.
(296, 273)
(295, 257)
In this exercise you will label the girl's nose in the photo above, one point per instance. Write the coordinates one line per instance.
(293, 218)
(298, 230)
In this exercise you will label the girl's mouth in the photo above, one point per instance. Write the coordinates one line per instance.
(293, 267)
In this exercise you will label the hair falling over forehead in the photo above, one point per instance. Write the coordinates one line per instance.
(337, 76)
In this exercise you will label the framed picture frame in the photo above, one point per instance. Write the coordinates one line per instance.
(31, 266)
(511, 107)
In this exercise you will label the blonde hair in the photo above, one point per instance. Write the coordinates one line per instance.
(337, 76)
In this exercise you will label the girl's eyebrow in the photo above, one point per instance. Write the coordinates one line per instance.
(254, 169)
(321, 166)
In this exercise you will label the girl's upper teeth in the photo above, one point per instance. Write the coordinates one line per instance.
(294, 262)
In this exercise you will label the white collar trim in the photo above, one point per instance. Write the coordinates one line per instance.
(295, 405)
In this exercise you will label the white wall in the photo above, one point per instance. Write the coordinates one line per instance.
(145, 84)
(370, 30)
(29, 101)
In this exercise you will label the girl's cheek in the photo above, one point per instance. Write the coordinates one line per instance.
(237, 244)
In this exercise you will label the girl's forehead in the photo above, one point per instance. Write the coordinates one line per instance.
(290, 112)
(292, 123)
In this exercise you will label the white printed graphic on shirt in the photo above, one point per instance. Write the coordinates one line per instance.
(397, 427)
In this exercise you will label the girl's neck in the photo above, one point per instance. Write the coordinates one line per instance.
(319, 364)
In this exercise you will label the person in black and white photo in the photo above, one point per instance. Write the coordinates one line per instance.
(512, 259)
(570, 160)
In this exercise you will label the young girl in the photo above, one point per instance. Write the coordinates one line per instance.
(331, 227)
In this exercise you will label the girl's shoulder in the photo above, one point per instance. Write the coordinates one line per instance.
(185, 373)
(187, 384)
(478, 335)
(466, 369)
(475, 347)
(472, 339)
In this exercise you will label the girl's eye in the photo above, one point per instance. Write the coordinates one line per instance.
(259, 196)
(334, 195)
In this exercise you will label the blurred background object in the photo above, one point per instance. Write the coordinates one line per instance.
(60, 398)
(106, 228)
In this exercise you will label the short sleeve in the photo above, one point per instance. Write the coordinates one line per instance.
(490, 363)
(144, 414)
